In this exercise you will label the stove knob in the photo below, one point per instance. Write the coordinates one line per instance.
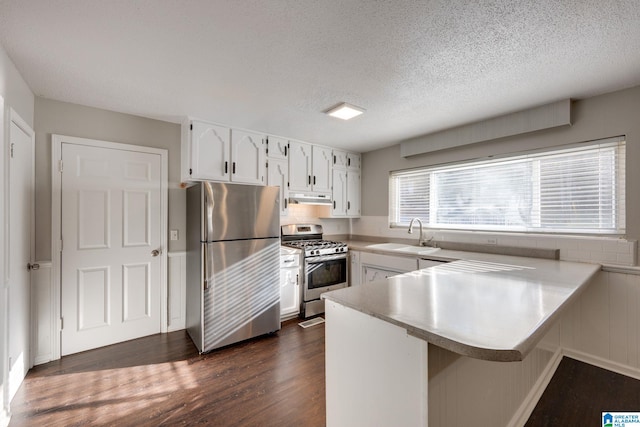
(317, 252)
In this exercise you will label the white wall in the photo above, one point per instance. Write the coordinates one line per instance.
(56, 117)
(14, 93)
(603, 116)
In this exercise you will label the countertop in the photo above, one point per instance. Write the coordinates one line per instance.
(485, 306)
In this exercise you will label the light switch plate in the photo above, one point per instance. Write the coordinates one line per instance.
(173, 235)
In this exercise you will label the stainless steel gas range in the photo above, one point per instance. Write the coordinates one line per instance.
(324, 264)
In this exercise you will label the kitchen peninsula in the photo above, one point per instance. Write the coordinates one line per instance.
(429, 346)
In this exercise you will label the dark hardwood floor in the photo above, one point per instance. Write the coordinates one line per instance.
(269, 381)
(579, 393)
(161, 380)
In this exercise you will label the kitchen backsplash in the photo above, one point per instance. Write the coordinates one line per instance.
(313, 214)
(601, 250)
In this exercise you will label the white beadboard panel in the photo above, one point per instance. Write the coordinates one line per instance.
(602, 327)
(595, 327)
(177, 290)
(44, 325)
(463, 390)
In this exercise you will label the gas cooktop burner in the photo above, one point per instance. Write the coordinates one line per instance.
(308, 244)
(308, 237)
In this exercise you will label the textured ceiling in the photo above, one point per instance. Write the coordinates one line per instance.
(276, 65)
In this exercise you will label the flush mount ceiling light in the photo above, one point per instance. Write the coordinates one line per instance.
(345, 111)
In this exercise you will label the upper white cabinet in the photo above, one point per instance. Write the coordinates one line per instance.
(277, 148)
(248, 157)
(218, 153)
(278, 169)
(310, 167)
(346, 184)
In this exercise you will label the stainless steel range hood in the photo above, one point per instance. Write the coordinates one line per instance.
(309, 199)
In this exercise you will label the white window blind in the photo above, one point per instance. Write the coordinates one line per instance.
(579, 189)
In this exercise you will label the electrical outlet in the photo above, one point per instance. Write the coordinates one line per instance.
(492, 241)
(173, 235)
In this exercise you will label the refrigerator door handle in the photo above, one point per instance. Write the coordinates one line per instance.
(205, 270)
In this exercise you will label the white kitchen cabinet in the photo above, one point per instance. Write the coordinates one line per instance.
(353, 161)
(340, 159)
(300, 166)
(353, 194)
(217, 153)
(346, 184)
(372, 274)
(278, 174)
(277, 148)
(339, 193)
(310, 167)
(322, 167)
(248, 157)
(289, 283)
(377, 266)
(205, 151)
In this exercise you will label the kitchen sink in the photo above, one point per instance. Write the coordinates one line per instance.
(408, 249)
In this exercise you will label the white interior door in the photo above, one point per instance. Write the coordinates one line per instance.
(21, 193)
(111, 237)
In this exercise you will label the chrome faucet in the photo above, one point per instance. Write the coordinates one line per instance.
(421, 240)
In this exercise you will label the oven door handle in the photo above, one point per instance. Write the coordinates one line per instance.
(323, 258)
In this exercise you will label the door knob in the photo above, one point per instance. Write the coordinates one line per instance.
(156, 252)
(33, 266)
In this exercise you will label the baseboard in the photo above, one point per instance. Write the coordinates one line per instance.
(603, 363)
(528, 405)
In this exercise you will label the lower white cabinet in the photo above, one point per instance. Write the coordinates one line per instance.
(372, 274)
(371, 267)
(289, 283)
(278, 174)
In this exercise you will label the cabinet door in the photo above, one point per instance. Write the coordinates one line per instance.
(353, 194)
(340, 159)
(339, 193)
(209, 152)
(289, 292)
(277, 148)
(322, 168)
(299, 166)
(353, 161)
(372, 274)
(248, 159)
(278, 174)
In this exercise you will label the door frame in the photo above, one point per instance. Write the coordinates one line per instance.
(56, 227)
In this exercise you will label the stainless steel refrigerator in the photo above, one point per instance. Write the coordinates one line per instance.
(233, 249)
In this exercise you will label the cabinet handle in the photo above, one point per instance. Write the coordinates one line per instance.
(349, 162)
(226, 167)
(309, 179)
(234, 168)
(334, 159)
(285, 151)
(285, 203)
(348, 205)
(334, 204)
(314, 180)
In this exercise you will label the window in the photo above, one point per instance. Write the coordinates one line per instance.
(579, 189)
